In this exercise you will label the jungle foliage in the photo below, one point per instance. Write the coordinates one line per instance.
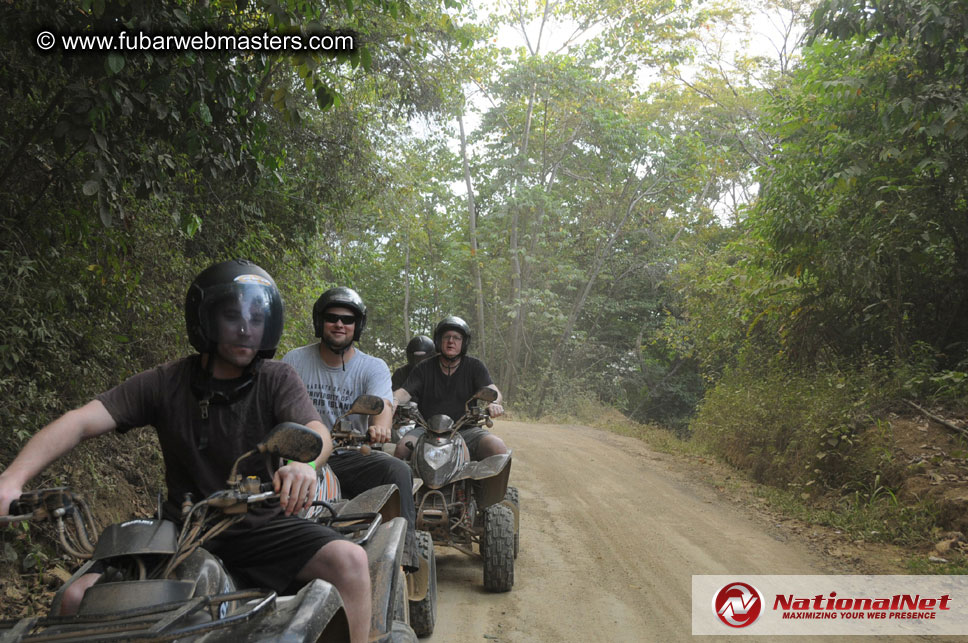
(628, 207)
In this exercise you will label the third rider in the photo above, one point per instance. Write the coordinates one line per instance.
(444, 384)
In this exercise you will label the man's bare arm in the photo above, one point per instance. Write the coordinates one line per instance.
(50, 443)
(295, 482)
(495, 408)
(400, 396)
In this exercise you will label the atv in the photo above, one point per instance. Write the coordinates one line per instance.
(422, 583)
(160, 584)
(463, 503)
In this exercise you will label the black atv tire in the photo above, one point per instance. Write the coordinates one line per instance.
(498, 549)
(423, 613)
(511, 495)
(400, 632)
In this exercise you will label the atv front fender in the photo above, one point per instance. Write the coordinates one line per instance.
(316, 613)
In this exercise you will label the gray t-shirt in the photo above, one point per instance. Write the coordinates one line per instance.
(333, 389)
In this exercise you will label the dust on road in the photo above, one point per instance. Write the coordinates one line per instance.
(611, 534)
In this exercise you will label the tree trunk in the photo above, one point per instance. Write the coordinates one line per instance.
(472, 227)
(406, 293)
(511, 373)
(600, 257)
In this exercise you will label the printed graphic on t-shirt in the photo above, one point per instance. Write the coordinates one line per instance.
(333, 389)
(329, 400)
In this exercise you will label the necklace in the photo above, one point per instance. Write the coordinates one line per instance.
(450, 368)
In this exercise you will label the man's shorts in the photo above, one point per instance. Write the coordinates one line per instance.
(272, 554)
(472, 437)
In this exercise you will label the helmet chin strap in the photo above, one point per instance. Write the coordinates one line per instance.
(202, 383)
(338, 351)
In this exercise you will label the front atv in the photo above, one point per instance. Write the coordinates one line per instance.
(462, 503)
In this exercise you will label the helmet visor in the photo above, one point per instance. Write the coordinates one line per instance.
(243, 314)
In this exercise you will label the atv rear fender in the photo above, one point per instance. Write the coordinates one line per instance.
(491, 475)
(384, 552)
(384, 499)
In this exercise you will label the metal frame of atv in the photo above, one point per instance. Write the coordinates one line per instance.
(494, 471)
(162, 622)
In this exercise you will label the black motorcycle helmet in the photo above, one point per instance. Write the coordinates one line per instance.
(452, 322)
(419, 348)
(239, 281)
(340, 296)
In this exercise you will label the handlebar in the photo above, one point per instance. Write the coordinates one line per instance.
(475, 416)
(55, 504)
(352, 440)
(43, 504)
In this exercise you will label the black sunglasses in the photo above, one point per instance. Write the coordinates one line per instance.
(332, 318)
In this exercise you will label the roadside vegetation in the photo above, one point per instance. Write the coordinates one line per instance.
(647, 221)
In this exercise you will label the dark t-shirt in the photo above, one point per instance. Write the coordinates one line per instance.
(163, 398)
(437, 393)
(400, 376)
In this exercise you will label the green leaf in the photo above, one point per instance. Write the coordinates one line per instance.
(91, 187)
(204, 113)
(325, 97)
(192, 225)
(104, 211)
(115, 63)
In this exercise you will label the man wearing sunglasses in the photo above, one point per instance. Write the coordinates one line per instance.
(335, 373)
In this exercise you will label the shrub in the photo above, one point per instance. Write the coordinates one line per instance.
(787, 427)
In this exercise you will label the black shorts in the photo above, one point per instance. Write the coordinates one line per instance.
(272, 555)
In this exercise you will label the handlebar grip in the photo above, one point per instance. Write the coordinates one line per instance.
(18, 508)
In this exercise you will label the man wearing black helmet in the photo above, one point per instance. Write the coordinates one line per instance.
(209, 409)
(443, 386)
(335, 373)
(418, 349)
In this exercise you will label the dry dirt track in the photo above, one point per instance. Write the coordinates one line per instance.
(611, 533)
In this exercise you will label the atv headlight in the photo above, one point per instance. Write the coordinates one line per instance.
(437, 457)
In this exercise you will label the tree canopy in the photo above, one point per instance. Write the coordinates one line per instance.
(624, 201)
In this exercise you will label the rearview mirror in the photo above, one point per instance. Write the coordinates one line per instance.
(287, 440)
(487, 394)
(366, 405)
(292, 441)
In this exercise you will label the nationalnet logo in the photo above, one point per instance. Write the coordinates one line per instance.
(898, 606)
(738, 604)
(830, 605)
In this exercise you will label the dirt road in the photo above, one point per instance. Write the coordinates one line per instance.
(611, 534)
